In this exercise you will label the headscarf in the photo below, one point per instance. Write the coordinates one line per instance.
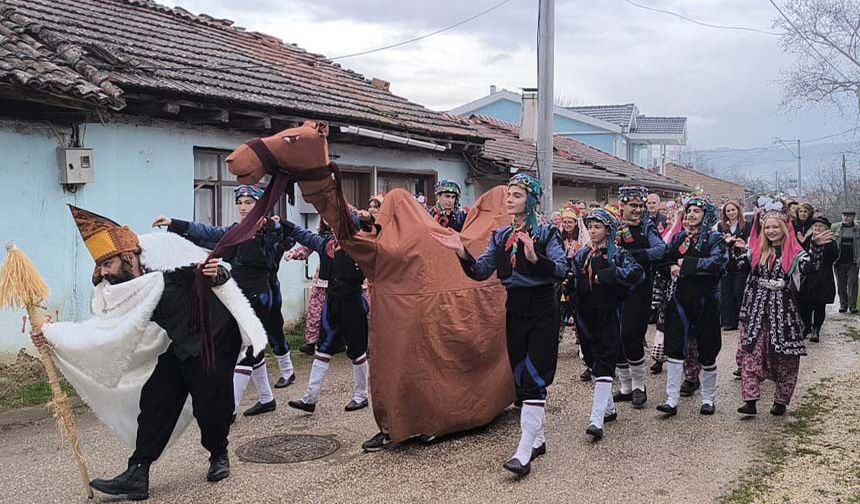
(791, 248)
(379, 198)
(534, 191)
(606, 217)
(448, 186)
(627, 193)
(251, 191)
(708, 221)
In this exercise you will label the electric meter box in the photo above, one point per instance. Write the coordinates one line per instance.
(76, 166)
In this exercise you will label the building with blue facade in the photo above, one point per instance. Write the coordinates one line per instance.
(619, 130)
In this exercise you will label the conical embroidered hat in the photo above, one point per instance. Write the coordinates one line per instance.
(103, 237)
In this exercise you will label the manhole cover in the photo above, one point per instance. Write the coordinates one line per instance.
(287, 449)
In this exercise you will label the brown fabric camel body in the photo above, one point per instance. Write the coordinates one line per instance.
(438, 356)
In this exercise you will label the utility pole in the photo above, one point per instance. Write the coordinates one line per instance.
(844, 183)
(546, 58)
(799, 168)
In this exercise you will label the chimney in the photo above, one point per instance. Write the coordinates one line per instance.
(492, 89)
(528, 115)
(380, 84)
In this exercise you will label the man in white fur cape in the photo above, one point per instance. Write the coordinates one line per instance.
(137, 360)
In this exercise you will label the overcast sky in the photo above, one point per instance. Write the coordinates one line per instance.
(607, 52)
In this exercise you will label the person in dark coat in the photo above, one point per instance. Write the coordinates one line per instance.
(817, 287)
(736, 233)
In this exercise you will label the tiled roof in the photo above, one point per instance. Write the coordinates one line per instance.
(615, 114)
(143, 47)
(572, 159)
(660, 125)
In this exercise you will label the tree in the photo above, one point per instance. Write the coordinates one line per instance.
(824, 37)
(825, 193)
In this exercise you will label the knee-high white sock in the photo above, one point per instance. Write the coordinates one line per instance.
(709, 384)
(319, 370)
(241, 378)
(674, 372)
(260, 375)
(531, 423)
(359, 376)
(285, 364)
(602, 396)
(637, 375)
(624, 379)
(610, 406)
(540, 438)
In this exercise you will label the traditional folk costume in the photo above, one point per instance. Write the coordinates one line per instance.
(316, 301)
(818, 288)
(532, 314)
(455, 217)
(693, 310)
(573, 241)
(645, 246)
(343, 320)
(771, 339)
(255, 268)
(603, 278)
(138, 359)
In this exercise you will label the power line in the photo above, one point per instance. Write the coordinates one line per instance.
(422, 37)
(809, 42)
(345, 56)
(701, 23)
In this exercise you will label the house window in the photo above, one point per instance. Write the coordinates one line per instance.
(213, 189)
(414, 183)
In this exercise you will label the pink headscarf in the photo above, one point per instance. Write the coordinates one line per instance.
(791, 248)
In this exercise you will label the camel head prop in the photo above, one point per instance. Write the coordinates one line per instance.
(293, 150)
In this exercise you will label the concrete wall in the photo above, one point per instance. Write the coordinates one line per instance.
(142, 169)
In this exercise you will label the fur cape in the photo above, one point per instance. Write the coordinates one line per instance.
(109, 357)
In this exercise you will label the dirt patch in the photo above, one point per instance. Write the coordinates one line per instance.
(817, 458)
(23, 383)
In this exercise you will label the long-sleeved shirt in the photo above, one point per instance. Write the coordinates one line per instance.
(344, 276)
(550, 268)
(646, 246)
(255, 263)
(700, 269)
(601, 283)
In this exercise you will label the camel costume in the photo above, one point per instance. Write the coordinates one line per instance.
(439, 360)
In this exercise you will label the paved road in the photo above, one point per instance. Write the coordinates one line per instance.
(688, 458)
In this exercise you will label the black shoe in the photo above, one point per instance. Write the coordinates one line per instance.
(777, 409)
(748, 408)
(537, 452)
(260, 408)
(219, 468)
(356, 405)
(585, 376)
(657, 367)
(816, 335)
(518, 404)
(308, 348)
(285, 382)
(707, 409)
(688, 387)
(133, 483)
(517, 468)
(610, 417)
(843, 309)
(737, 373)
(731, 328)
(853, 311)
(617, 396)
(594, 431)
(667, 410)
(640, 397)
(301, 405)
(427, 439)
(378, 442)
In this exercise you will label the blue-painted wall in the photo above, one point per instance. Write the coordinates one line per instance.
(142, 169)
(506, 110)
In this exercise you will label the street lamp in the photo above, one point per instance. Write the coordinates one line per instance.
(796, 155)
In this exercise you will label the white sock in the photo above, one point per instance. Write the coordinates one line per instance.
(319, 370)
(637, 375)
(624, 378)
(602, 396)
(531, 423)
(709, 385)
(674, 373)
(359, 376)
(610, 406)
(285, 364)
(241, 378)
(260, 375)
(540, 438)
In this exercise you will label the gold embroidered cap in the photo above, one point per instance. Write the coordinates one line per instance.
(103, 237)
